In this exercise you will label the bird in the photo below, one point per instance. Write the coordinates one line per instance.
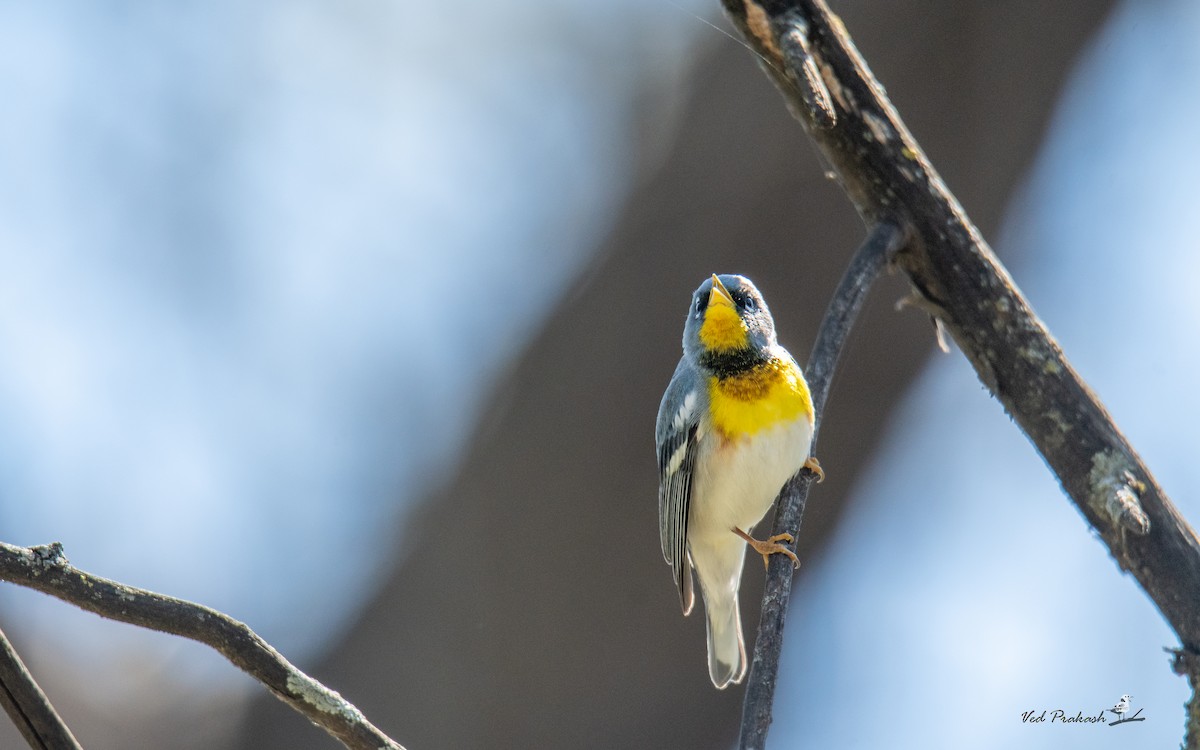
(734, 425)
(1122, 707)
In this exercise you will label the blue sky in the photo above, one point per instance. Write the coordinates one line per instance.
(224, 230)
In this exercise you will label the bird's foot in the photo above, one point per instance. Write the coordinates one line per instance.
(812, 464)
(771, 546)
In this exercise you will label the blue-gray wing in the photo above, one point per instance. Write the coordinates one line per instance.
(676, 437)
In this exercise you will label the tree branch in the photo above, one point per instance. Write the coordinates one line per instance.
(46, 569)
(883, 243)
(959, 280)
(28, 706)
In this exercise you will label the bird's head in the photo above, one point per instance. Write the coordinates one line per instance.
(728, 324)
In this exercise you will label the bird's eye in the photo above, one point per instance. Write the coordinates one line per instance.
(748, 303)
(699, 302)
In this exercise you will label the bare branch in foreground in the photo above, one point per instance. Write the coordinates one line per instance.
(28, 706)
(46, 569)
(885, 240)
(960, 281)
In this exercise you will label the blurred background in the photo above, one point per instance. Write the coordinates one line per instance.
(352, 320)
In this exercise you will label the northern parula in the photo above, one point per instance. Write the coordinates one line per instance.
(734, 425)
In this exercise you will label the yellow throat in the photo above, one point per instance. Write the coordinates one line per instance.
(723, 329)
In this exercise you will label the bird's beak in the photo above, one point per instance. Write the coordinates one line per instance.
(719, 294)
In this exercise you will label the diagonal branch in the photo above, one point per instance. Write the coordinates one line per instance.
(46, 569)
(28, 706)
(885, 240)
(956, 277)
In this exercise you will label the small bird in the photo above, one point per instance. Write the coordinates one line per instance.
(1122, 707)
(734, 425)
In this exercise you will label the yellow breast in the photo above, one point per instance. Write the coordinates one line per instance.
(758, 399)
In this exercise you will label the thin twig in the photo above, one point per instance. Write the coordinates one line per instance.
(28, 706)
(884, 241)
(959, 279)
(46, 569)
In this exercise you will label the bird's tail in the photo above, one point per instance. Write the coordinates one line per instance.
(726, 651)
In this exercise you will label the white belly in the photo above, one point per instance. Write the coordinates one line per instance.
(736, 482)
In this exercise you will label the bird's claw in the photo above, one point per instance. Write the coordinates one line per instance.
(812, 464)
(771, 546)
